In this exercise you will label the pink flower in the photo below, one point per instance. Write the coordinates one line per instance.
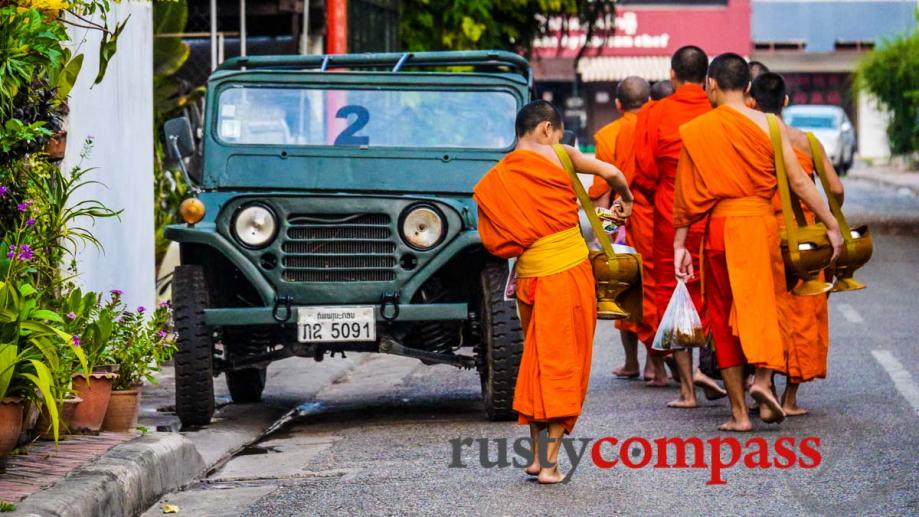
(30, 222)
(22, 207)
(25, 252)
(116, 292)
(161, 334)
(141, 309)
(76, 340)
(4, 190)
(165, 304)
(71, 315)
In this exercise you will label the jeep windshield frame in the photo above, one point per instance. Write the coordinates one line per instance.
(259, 166)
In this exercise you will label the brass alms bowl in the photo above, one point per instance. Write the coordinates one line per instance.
(619, 293)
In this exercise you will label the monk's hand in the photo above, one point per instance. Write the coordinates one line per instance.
(835, 237)
(682, 262)
(622, 210)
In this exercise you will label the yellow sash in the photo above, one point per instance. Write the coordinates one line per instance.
(553, 254)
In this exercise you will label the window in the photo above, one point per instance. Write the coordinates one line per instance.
(371, 118)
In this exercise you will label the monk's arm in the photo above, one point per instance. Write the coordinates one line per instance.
(836, 188)
(607, 171)
(682, 260)
(805, 189)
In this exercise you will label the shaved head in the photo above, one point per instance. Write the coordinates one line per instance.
(757, 68)
(689, 64)
(661, 89)
(534, 114)
(768, 91)
(730, 71)
(633, 92)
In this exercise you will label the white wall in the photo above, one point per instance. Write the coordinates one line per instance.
(872, 129)
(118, 113)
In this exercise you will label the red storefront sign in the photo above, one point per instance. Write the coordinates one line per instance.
(655, 31)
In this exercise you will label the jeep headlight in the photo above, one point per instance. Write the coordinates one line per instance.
(422, 227)
(255, 226)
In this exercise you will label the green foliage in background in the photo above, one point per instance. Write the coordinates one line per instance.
(891, 73)
(490, 24)
(171, 97)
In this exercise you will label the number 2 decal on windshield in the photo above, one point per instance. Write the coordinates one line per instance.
(348, 137)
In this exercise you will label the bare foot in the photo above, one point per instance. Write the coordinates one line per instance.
(648, 374)
(533, 470)
(794, 411)
(550, 476)
(682, 403)
(628, 374)
(769, 409)
(711, 388)
(658, 383)
(743, 426)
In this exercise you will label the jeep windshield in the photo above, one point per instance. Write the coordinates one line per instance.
(276, 115)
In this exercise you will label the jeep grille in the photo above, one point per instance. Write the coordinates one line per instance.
(339, 248)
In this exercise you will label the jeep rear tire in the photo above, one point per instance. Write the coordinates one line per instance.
(194, 359)
(246, 385)
(502, 343)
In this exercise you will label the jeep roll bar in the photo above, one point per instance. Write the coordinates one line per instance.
(391, 61)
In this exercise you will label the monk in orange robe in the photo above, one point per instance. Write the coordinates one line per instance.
(657, 149)
(804, 319)
(726, 174)
(527, 209)
(616, 145)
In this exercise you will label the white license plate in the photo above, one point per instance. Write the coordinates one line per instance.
(332, 324)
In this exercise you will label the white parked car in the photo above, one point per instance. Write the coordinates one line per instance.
(831, 126)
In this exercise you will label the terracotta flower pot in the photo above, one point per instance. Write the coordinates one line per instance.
(43, 427)
(95, 392)
(10, 424)
(123, 409)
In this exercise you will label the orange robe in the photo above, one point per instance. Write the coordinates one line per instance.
(657, 150)
(606, 151)
(804, 319)
(640, 226)
(727, 172)
(524, 198)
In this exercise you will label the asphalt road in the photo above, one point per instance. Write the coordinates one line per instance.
(378, 441)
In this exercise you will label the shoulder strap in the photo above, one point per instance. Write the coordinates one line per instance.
(791, 225)
(584, 200)
(820, 167)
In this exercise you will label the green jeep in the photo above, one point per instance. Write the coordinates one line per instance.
(333, 212)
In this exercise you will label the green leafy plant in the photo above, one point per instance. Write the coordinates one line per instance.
(891, 73)
(30, 345)
(141, 344)
(6, 507)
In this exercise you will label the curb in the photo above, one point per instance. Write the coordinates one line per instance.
(125, 481)
(133, 476)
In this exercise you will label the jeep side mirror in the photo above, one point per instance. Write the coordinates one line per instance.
(180, 142)
(569, 138)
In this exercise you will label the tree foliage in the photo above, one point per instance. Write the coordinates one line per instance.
(490, 24)
(891, 73)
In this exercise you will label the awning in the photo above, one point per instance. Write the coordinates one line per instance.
(617, 68)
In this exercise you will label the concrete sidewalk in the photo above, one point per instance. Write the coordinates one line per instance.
(131, 476)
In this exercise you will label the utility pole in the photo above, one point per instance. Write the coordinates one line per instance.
(336, 21)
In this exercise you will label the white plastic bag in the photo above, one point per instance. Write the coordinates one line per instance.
(680, 326)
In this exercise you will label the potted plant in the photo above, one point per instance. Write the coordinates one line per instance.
(28, 355)
(139, 346)
(90, 324)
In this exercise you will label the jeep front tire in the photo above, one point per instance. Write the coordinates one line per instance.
(502, 343)
(194, 359)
